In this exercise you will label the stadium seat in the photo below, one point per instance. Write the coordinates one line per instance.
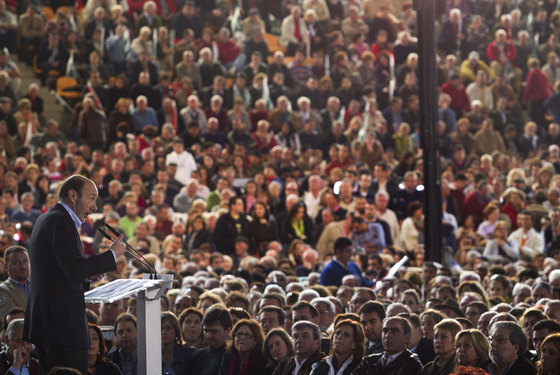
(65, 83)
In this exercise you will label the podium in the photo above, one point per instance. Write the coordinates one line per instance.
(147, 292)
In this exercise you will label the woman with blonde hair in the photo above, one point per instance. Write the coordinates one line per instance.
(444, 347)
(472, 348)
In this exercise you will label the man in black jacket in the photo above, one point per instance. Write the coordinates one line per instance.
(217, 325)
(230, 226)
(396, 359)
(419, 344)
(124, 354)
(55, 318)
(306, 337)
(372, 314)
(507, 348)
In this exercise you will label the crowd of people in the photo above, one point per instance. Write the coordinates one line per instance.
(268, 155)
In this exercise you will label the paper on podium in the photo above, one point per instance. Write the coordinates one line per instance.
(121, 288)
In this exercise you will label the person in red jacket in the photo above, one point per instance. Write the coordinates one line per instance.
(501, 49)
(229, 53)
(476, 201)
(515, 203)
(459, 98)
(537, 90)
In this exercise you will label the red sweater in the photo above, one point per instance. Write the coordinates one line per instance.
(228, 51)
(459, 98)
(493, 53)
(537, 86)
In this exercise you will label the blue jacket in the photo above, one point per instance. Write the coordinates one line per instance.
(333, 273)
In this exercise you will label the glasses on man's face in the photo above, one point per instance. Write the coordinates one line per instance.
(499, 340)
(243, 335)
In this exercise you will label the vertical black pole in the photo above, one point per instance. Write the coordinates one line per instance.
(428, 127)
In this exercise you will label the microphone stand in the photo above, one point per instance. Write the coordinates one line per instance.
(131, 251)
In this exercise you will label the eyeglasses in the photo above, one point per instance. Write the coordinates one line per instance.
(241, 335)
(499, 340)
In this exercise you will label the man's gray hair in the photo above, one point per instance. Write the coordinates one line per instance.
(519, 287)
(553, 275)
(14, 324)
(308, 294)
(303, 324)
(515, 333)
(324, 300)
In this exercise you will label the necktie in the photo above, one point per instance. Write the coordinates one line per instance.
(297, 31)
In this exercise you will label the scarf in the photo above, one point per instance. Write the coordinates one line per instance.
(238, 368)
(298, 227)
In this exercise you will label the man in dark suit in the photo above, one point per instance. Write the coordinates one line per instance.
(55, 319)
(217, 325)
(396, 359)
(371, 315)
(507, 348)
(306, 337)
(15, 358)
(419, 344)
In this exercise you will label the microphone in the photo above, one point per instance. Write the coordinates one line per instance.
(129, 249)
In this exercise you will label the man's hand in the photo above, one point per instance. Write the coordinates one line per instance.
(118, 246)
(20, 357)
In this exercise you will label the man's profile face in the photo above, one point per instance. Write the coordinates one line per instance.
(84, 204)
(538, 338)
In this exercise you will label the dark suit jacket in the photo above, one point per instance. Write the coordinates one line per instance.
(405, 364)
(425, 350)
(55, 313)
(322, 367)
(522, 367)
(525, 146)
(181, 358)
(439, 369)
(287, 365)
